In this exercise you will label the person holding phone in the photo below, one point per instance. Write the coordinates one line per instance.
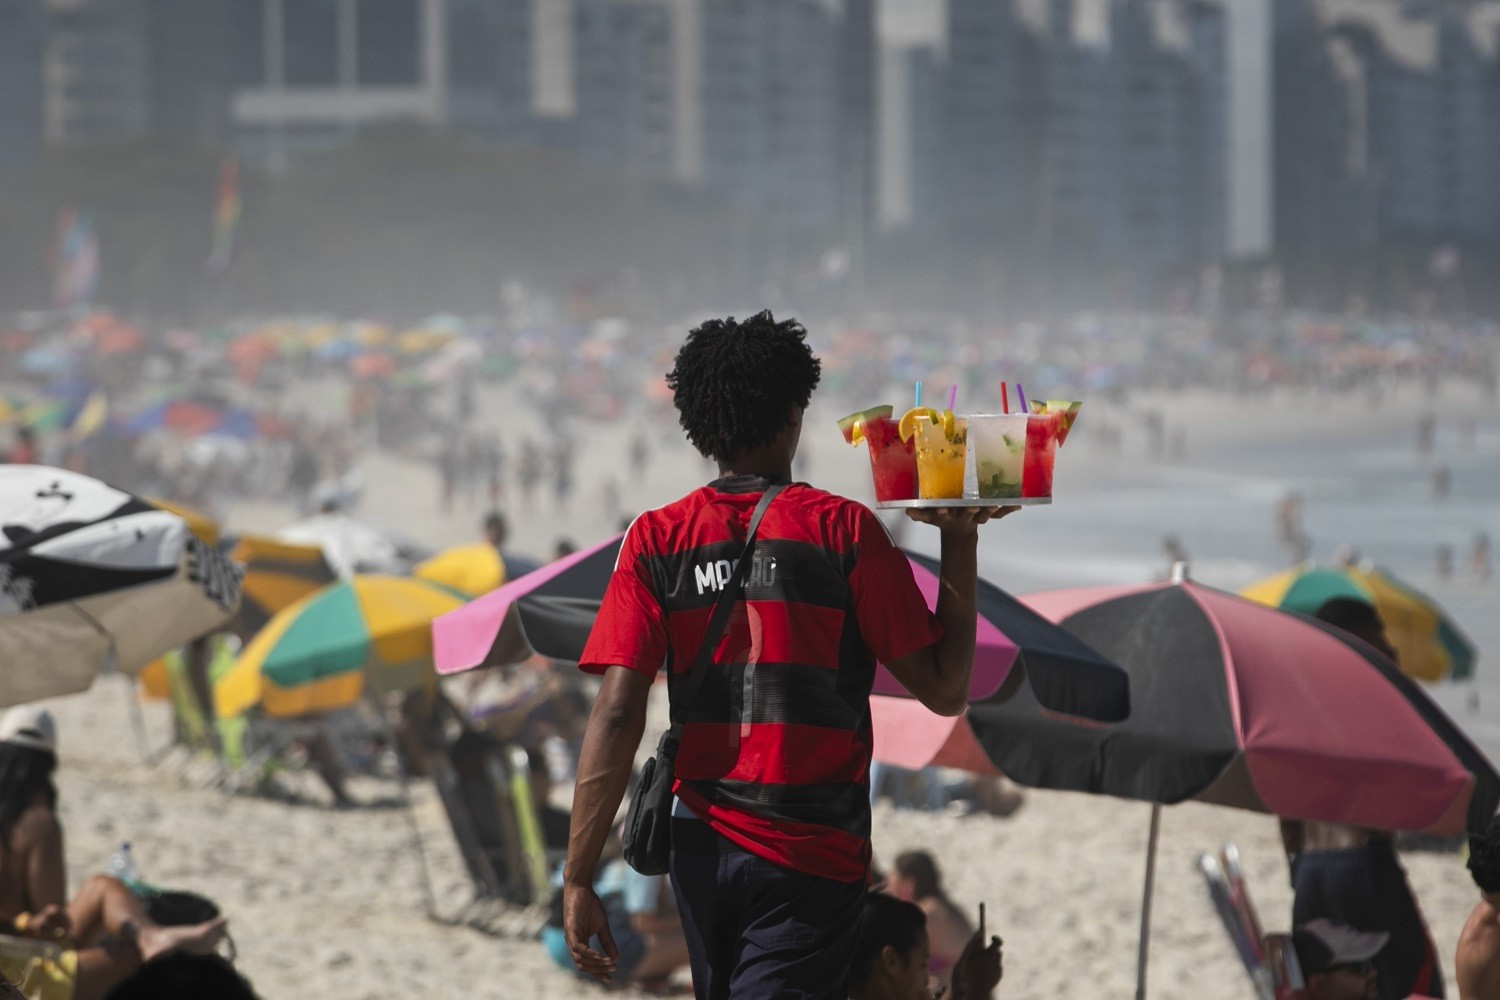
(891, 957)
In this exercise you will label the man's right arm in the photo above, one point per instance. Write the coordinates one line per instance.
(614, 732)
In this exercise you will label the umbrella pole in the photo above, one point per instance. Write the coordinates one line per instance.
(1140, 960)
(377, 693)
(138, 721)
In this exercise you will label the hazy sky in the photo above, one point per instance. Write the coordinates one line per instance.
(907, 21)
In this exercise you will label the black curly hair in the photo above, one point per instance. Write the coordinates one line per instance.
(1484, 857)
(734, 384)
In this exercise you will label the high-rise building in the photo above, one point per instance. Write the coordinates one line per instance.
(1387, 123)
(1468, 151)
(96, 70)
(984, 125)
(189, 69)
(489, 65)
(624, 74)
(22, 88)
(329, 67)
(1321, 174)
(770, 106)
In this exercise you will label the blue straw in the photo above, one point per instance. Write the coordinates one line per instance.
(918, 395)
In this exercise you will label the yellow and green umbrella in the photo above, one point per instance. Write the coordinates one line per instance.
(1428, 644)
(472, 569)
(316, 655)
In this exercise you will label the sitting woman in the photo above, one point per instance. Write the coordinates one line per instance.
(891, 957)
(104, 928)
(915, 879)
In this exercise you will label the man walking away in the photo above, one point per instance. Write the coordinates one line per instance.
(771, 831)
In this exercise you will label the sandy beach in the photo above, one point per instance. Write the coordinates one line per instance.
(327, 903)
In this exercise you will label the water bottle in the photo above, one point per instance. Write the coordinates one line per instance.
(122, 866)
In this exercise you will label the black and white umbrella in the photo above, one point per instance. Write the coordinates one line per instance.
(88, 571)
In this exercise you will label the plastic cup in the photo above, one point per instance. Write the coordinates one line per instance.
(940, 460)
(893, 462)
(1041, 448)
(997, 455)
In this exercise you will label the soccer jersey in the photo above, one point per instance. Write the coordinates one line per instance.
(775, 750)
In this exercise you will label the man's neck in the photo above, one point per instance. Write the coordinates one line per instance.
(768, 463)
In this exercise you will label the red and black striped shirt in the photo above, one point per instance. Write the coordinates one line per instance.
(775, 751)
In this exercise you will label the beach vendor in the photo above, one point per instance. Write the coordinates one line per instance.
(771, 832)
(103, 934)
(1352, 875)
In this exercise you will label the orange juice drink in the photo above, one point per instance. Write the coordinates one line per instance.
(940, 458)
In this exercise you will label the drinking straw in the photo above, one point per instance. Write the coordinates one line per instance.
(952, 396)
(918, 398)
(1021, 398)
(1004, 399)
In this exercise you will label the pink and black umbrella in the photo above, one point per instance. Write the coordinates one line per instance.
(551, 610)
(1233, 703)
(1245, 705)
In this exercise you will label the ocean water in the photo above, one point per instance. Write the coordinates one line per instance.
(1366, 491)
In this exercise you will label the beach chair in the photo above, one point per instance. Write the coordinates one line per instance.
(484, 787)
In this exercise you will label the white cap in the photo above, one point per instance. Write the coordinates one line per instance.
(1322, 944)
(29, 726)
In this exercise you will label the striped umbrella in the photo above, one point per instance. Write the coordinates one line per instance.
(317, 655)
(1428, 644)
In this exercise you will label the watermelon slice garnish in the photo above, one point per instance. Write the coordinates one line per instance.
(1068, 409)
(852, 426)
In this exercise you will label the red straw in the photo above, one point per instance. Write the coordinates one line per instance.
(1004, 399)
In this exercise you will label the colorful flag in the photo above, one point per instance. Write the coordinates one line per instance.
(75, 260)
(226, 215)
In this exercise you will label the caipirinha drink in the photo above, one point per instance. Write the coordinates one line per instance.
(997, 442)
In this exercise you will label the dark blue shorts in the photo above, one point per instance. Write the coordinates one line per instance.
(1365, 887)
(757, 930)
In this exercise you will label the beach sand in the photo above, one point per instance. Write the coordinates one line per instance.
(327, 903)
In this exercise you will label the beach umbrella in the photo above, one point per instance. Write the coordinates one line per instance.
(189, 418)
(372, 364)
(550, 611)
(205, 528)
(1428, 644)
(316, 655)
(909, 735)
(87, 572)
(278, 574)
(352, 546)
(472, 569)
(1240, 704)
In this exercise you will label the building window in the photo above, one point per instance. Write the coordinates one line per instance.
(389, 42)
(312, 42)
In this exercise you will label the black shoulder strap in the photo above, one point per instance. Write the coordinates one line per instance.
(720, 617)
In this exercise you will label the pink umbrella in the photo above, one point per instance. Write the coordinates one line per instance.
(549, 612)
(1234, 703)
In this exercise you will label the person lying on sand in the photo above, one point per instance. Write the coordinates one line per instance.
(105, 926)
